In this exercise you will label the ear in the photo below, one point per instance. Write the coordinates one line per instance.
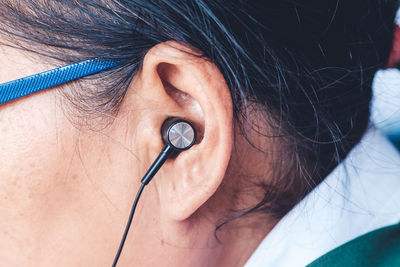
(181, 84)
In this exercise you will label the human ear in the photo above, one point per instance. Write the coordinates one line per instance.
(179, 83)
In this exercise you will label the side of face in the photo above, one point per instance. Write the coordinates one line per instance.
(66, 190)
(48, 200)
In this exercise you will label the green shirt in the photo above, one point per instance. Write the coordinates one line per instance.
(377, 248)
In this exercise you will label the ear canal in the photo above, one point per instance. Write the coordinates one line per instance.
(178, 133)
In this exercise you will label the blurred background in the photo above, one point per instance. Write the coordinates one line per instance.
(385, 112)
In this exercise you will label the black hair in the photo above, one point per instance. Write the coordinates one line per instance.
(307, 65)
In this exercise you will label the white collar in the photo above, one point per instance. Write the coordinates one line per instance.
(360, 195)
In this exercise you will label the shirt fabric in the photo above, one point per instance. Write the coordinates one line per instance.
(377, 248)
(362, 194)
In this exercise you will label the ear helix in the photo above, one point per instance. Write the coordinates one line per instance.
(178, 135)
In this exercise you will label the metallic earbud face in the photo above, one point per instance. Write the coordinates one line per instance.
(181, 135)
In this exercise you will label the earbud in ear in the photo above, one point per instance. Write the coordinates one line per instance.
(178, 135)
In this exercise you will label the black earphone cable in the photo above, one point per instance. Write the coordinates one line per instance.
(128, 225)
(165, 153)
(183, 137)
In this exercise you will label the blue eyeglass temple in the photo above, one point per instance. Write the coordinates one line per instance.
(41, 81)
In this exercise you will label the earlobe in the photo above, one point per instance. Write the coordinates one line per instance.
(196, 91)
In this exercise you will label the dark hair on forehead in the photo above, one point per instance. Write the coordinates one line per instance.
(307, 65)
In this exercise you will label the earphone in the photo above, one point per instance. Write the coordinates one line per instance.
(178, 135)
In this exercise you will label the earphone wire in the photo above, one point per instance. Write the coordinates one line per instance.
(159, 161)
(128, 225)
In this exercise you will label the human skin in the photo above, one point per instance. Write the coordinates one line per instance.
(66, 189)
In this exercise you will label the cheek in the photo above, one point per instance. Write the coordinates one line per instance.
(31, 147)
